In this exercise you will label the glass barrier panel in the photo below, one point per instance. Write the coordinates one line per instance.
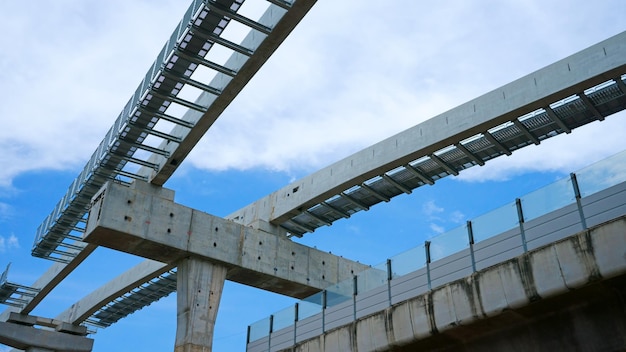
(552, 197)
(371, 278)
(495, 222)
(339, 292)
(259, 329)
(449, 243)
(409, 261)
(602, 175)
(310, 306)
(284, 318)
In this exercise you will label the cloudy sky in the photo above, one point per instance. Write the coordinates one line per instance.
(351, 74)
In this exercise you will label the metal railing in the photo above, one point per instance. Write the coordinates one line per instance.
(586, 198)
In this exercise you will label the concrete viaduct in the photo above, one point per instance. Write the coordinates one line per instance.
(193, 252)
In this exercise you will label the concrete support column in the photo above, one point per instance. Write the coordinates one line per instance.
(199, 288)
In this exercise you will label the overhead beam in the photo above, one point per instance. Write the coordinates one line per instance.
(138, 221)
(167, 163)
(264, 48)
(24, 336)
(592, 66)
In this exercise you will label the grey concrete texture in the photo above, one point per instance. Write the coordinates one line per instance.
(26, 337)
(145, 224)
(78, 312)
(568, 295)
(199, 290)
(599, 63)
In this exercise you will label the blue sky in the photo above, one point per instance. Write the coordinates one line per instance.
(351, 74)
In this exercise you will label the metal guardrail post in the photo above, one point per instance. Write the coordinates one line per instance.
(427, 248)
(470, 237)
(520, 217)
(324, 302)
(389, 277)
(269, 336)
(355, 291)
(296, 313)
(579, 204)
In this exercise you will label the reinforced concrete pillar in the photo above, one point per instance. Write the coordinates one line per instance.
(199, 289)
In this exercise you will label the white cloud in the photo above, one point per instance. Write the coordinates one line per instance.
(437, 229)
(6, 211)
(70, 69)
(431, 209)
(348, 76)
(9, 243)
(457, 217)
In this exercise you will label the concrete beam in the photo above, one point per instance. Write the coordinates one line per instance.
(597, 64)
(26, 337)
(143, 272)
(265, 47)
(139, 221)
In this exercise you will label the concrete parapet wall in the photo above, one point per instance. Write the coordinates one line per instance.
(580, 279)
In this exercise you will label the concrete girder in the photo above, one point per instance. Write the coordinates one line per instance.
(125, 282)
(58, 271)
(139, 221)
(19, 332)
(599, 63)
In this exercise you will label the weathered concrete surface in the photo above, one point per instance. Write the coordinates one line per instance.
(139, 221)
(26, 337)
(78, 312)
(572, 75)
(199, 289)
(569, 295)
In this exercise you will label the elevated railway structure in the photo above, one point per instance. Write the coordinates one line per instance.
(158, 127)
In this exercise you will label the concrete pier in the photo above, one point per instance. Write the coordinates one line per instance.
(199, 289)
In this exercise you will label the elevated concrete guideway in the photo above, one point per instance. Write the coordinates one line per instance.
(144, 222)
(59, 236)
(509, 306)
(585, 87)
(604, 60)
(494, 124)
(516, 235)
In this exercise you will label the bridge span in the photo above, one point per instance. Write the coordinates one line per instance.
(585, 87)
(568, 295)
(554, 256)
